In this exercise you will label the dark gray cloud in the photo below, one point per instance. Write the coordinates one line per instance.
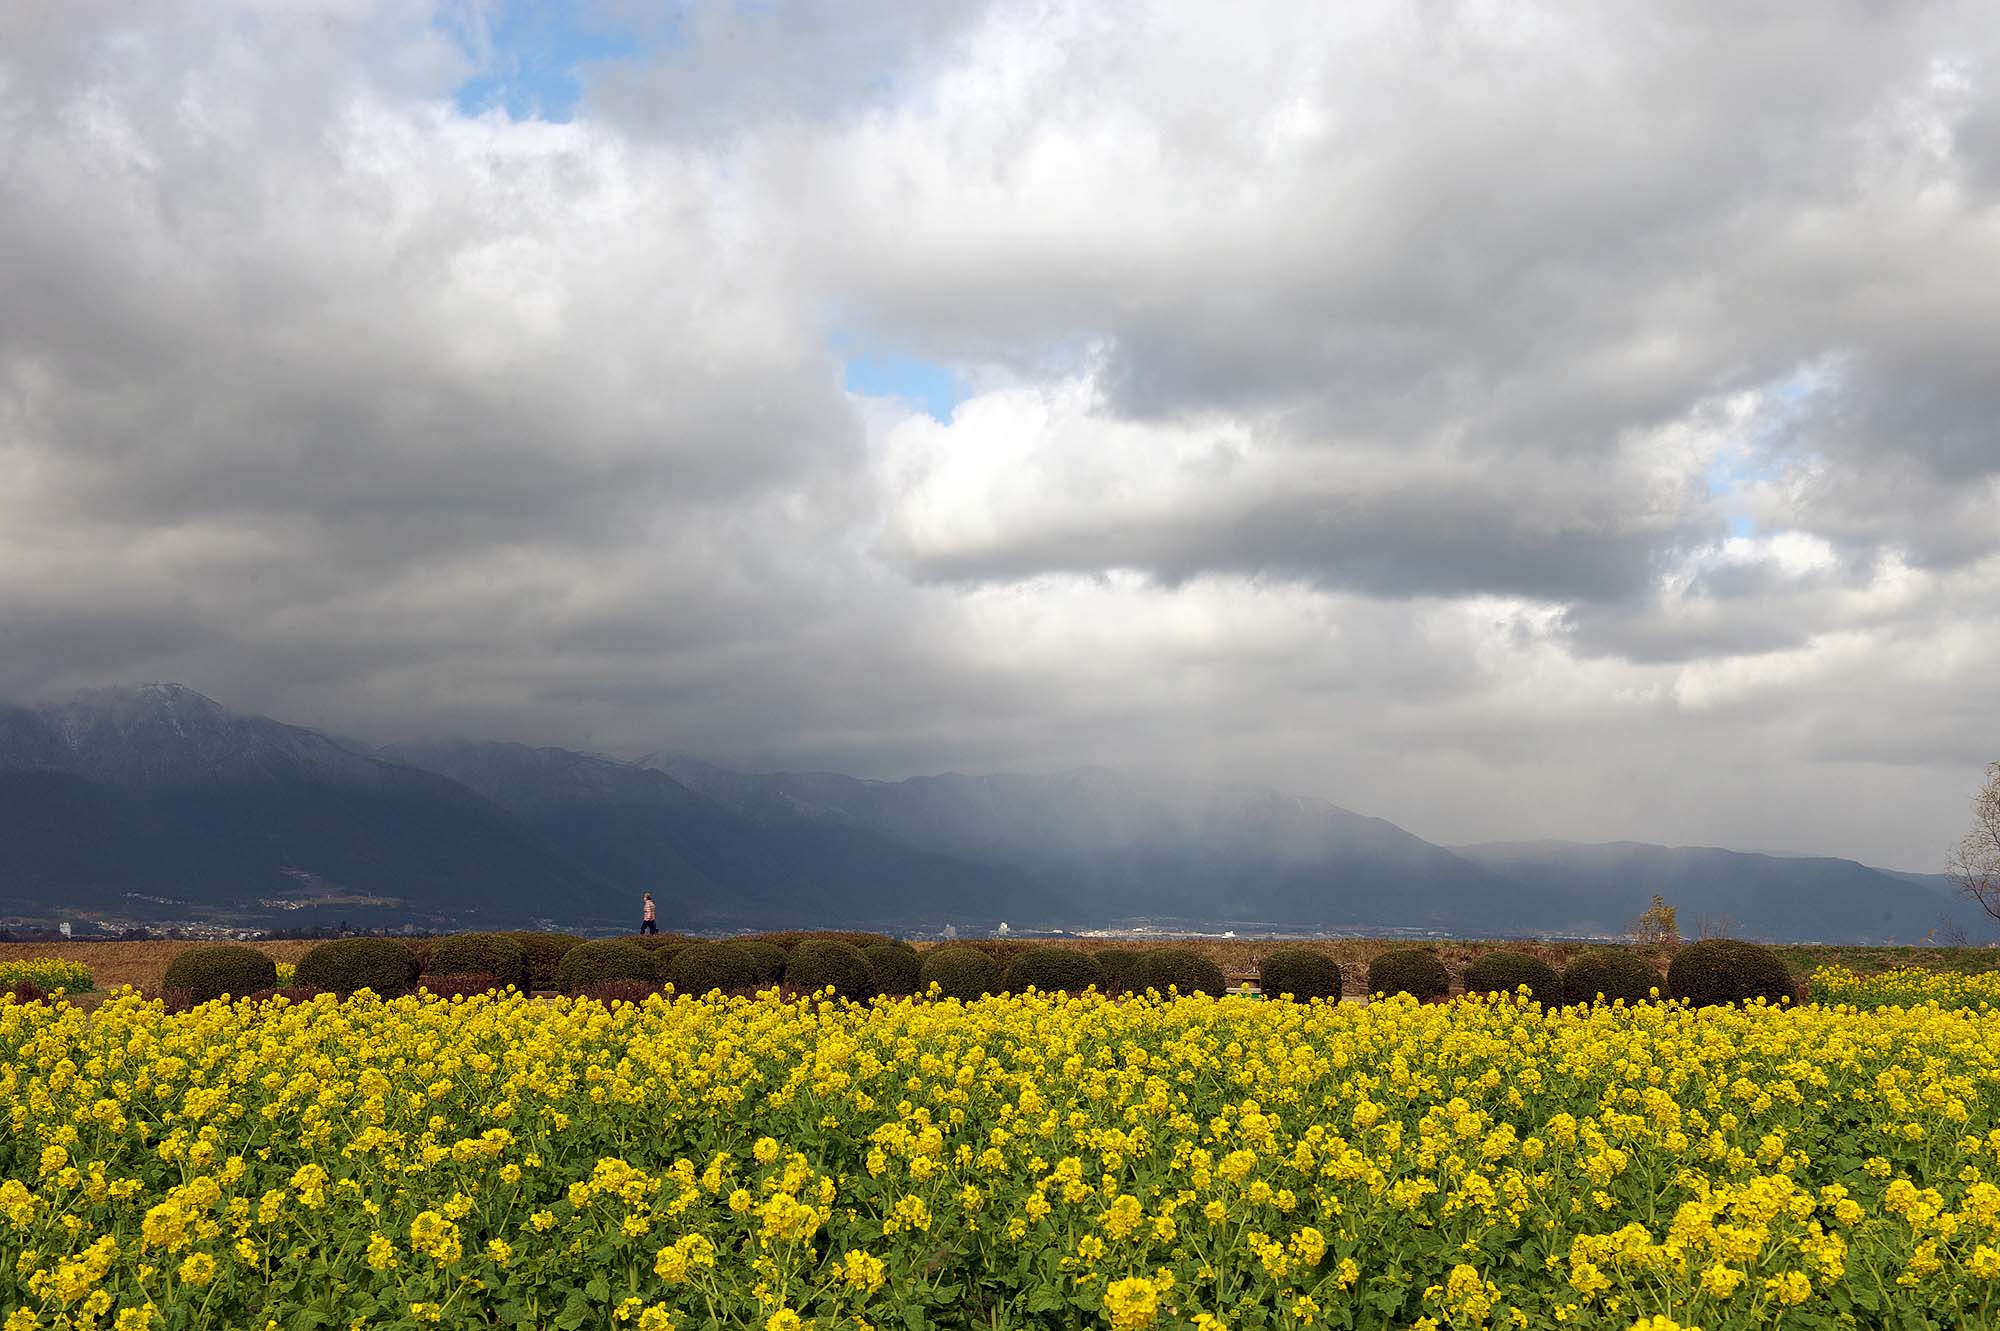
(1511, 420)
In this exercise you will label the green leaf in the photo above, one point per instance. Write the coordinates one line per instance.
(574, 1314)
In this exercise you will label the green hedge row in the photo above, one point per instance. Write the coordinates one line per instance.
(862, 965)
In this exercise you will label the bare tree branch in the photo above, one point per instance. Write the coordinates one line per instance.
(1975, 866)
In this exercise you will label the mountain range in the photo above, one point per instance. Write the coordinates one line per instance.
(155, 803)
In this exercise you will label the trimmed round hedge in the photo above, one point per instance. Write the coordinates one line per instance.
(895, 966)
(699, 968)
(658, 942)
(1728, 970)
(622, 991)
(791, 938)
(1116, 963)
(461, 985)
(959, 971)
(1409, 970)
(1505, 973)
(588, 965)
(1177, 968)
(1055, 970)
(1610, 975)
(544, 951)
(822, 963)
(481, 954)
(344, 965)
(1303, 973)
(767, 959)
(204, 973)
(662, 953)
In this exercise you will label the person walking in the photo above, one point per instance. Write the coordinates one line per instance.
(649, 923)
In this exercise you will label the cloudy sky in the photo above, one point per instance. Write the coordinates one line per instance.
(1514, 421)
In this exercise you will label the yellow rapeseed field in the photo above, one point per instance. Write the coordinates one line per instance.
(46, 973)
(1025, 1162)
(1905, 986)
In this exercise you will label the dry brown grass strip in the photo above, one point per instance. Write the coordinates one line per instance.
(142, 965)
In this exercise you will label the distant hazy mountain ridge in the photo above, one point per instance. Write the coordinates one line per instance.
(156, 802)
(160, 792)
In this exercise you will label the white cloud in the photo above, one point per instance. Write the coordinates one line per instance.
(1514, 420)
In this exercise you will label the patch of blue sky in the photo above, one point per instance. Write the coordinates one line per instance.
(1730, 471)
(530, 56)
(1748, 461)
(878, 371)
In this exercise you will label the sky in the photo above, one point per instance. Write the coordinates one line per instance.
(1510, 420)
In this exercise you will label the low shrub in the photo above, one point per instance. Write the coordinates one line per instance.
(206, 973)
(1116, 963)
(621, 991)
(1177, 968)
(766, 959)
(960, 972)
(462, 984)
(1304, 973)
(1728, 970)
(701, 967)
(544, 951)
(663, 951)
(1004, 951)
(1506, 972)
(896, 967)
(291, 993)
(1608, 975)
(659, 942)
(1055, 970)
(820, 963)
(344, 965)
(791, 938)
(590, 964)
(1409, 970)
(481, 954)
(24, 991)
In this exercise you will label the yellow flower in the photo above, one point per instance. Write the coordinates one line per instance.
(1790, 1288)
(863, 1271)
(436, 1238)
(197, 1269)
(1132, 1302)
